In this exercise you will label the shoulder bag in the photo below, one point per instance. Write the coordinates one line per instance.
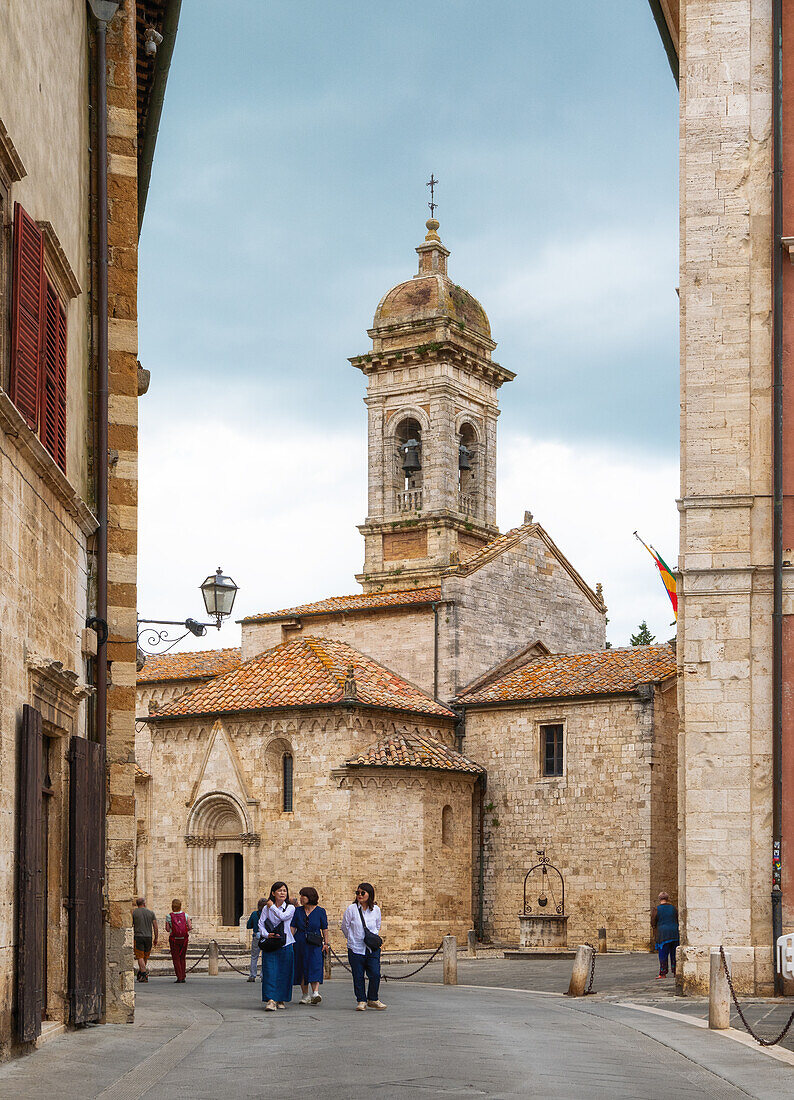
(371, 939)
(314, 939)
(276, 937)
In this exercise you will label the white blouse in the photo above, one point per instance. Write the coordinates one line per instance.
(277, 915)
(353, 929)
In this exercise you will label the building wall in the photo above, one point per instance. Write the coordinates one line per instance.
(597, 821)
(725, 627)
(380, 825)
(44, 518)
(522, 595)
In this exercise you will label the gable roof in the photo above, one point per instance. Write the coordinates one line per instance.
(200, 665)
(501, 543)
(359, 601)
(304, 672)
(561, 675)
(413, 751)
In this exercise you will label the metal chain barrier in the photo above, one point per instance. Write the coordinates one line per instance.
(755, 1035)
(392, 977)
(198, 960)
(245, 973)
(592, 969)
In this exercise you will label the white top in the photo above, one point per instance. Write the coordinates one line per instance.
(352, 928)
(277, 916)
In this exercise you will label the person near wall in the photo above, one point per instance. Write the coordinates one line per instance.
(179, 926)
(277, 964)
(310, 928)
(664, 921)
(361, 927)
(256, 950)
(145, 935)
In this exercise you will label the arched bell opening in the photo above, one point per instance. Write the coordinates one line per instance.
(408, 472)
(468, 470)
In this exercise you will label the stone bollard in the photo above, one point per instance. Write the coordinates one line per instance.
(212, 964)
(580, 974)
(602, 941)
(327, 964)
(450, 960)
(471, 936)
(719, 993)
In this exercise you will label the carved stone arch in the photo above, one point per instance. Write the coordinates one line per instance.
(407, 412)
(475, 422)
(214, 814)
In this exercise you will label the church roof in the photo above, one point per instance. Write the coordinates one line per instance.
(359, 601)
(200, 665)
(413, 751)
(304, 672)
(561, 675)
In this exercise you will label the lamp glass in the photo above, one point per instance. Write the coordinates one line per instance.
(219, 592)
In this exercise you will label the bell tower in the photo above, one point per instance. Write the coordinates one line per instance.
(432, 399)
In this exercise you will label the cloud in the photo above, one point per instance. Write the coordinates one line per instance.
(277, 508)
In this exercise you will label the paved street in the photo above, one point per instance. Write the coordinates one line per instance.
(211, 1039)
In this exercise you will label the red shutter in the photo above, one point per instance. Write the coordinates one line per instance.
(53, 389)
(27, 310)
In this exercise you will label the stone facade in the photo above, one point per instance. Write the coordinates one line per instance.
(608, 822)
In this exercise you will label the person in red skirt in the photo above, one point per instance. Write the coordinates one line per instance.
(178, 925)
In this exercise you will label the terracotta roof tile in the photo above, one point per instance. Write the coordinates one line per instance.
(359, 601)
(188, 666)
(604, 672)
(304, 672)
(413, 751)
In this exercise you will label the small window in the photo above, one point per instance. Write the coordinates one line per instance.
(287, 783)
(447, 827)
(551, 749)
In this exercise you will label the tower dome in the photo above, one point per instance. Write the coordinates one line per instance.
(431, 296)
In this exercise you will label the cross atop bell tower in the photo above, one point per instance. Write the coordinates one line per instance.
(432, 399)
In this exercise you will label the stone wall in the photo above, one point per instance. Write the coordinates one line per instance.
(605, 822)
(725, 627)
(220, 785)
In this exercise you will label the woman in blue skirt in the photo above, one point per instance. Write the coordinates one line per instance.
(277, 966)
(310, 927)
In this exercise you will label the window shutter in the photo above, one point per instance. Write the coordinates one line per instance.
(53, 390)
(27, 309)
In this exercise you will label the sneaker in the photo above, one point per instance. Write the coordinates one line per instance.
(250, 979)
(375, 1004)
(305, 1000)
(270, 1006)
(316, 999)
(658, 976)
(361, 1006)
(280, 1004)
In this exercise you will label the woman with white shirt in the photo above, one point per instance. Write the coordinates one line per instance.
(274, 922)
(360, 914)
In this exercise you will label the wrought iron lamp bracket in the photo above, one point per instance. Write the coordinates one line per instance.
(153, 641)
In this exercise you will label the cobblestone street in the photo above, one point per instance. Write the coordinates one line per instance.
(211, 1039)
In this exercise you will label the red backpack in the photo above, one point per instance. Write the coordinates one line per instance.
(178, 924)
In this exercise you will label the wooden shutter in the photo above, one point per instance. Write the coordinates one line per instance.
(29, 931)
(53, 390)
(86, 872)
(27, 316)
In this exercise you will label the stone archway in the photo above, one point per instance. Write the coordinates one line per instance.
(218, 830)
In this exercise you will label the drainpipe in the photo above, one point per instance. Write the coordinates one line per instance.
(777, 481)
(482, 782)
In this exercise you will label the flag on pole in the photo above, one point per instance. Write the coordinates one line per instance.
(665, 572)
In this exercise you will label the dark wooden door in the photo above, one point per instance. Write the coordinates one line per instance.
(231, 888)
(29, 931)
(86, 874)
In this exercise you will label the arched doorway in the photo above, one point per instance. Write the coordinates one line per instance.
(217, 825)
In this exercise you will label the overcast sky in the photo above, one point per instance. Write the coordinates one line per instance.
(288, 195)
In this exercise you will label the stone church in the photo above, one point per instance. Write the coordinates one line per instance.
(433, 731)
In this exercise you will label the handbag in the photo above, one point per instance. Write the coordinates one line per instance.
(371, 939)
(275, 939)
(314, 939)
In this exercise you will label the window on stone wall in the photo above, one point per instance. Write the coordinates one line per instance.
(447, 826)
(286, 765)
(551, 750)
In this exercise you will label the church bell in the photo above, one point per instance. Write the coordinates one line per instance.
(411, 462)
(464, 457)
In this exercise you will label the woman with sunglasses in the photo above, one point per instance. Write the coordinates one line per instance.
(360, 923)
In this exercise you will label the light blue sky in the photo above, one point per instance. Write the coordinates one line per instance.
(288, 195)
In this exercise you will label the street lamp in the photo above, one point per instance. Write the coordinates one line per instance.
(218, 591)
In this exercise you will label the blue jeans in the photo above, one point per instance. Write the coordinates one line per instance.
(365, 964)
(667, 951)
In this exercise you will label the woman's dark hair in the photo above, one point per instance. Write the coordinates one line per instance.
(310, 894)
(261, 904)
(277, 886)
(370, 890)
